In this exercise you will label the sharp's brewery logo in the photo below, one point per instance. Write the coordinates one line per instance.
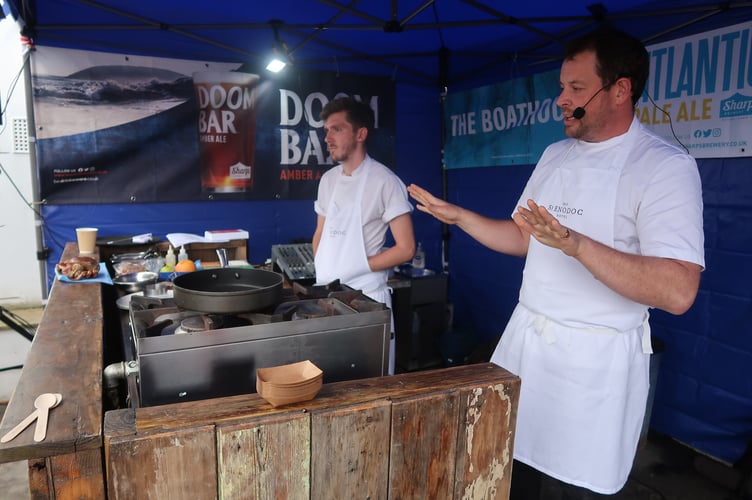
(736, 106)
(240, 171)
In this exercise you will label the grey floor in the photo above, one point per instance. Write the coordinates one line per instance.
(665, 469)
(14, 481)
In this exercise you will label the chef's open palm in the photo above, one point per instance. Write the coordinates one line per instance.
(428, 203)
(544, 227)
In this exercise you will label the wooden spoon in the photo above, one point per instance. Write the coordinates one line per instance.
(44, 403)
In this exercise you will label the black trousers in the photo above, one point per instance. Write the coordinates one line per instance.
(528, 484)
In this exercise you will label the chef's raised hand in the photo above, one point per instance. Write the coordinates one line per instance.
(428, 203)
(545, 228)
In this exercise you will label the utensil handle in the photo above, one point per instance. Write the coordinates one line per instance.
(222, 256)
(41, 429)
(23, 424)
(119, 240)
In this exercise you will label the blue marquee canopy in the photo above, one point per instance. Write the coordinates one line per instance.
(431, 42)
(704, 392)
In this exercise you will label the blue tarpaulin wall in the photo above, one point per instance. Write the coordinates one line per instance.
(704, 392)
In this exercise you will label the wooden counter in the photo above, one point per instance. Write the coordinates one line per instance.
(65, 357)
(434, 434)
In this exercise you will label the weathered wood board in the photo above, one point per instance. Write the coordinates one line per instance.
(351, 450)
(266, 457)
(446, 434)
(180, 463)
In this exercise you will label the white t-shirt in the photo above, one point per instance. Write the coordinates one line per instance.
(385, 198)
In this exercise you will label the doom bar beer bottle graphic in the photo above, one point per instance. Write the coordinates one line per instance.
(226, 129)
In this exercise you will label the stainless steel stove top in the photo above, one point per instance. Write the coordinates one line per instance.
(187, 355)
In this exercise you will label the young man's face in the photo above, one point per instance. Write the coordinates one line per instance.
(342, 139)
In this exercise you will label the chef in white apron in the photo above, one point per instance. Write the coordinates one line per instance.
(567, 322)
(358, 200)
(610, 224)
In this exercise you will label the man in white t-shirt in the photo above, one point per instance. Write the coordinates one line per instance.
(610, 225)
(358, 200)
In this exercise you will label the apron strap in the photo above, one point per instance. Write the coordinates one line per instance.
(647, 345)
(542, 325)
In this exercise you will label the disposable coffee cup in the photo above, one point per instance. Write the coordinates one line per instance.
(226, 129)
(87, 239)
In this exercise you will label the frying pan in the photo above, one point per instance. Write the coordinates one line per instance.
(227, 290)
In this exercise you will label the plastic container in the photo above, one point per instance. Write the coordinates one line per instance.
(170, 258)
(419, 260)
(183, 254)
(130, 266)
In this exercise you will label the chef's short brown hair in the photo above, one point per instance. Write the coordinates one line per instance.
(359, 114)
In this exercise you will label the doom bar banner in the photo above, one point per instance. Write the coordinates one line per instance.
(115, 128)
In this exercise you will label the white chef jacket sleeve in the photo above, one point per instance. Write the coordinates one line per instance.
(394, 198)
(670, 213)
(325, 193)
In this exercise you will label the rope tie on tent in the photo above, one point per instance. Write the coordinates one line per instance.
(27, 37)
(27, 42)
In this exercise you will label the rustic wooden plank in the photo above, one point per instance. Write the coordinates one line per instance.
(265, 458)
(77, 476)
(118, 423)
(176, 464)
(350, 447)
(423, 446)
(39, 480)
(331, 395)
(485, 443)
(65, 357)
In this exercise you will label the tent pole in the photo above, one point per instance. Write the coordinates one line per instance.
(443, 87)
(36, 203)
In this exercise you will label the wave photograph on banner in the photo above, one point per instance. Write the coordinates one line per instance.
(115, 127)
(106, 96)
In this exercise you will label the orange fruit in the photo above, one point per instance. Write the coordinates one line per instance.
(185, 266)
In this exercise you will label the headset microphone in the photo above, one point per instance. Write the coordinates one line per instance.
(579, 111)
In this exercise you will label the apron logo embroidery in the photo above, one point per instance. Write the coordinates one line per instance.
(561, 210)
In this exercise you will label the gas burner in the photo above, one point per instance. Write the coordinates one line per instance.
(306, 309)
(204, 322)
(316, 291)
(159, 317)
(195, 324)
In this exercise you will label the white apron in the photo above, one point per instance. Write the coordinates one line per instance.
(341, 253)
(584, 376)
